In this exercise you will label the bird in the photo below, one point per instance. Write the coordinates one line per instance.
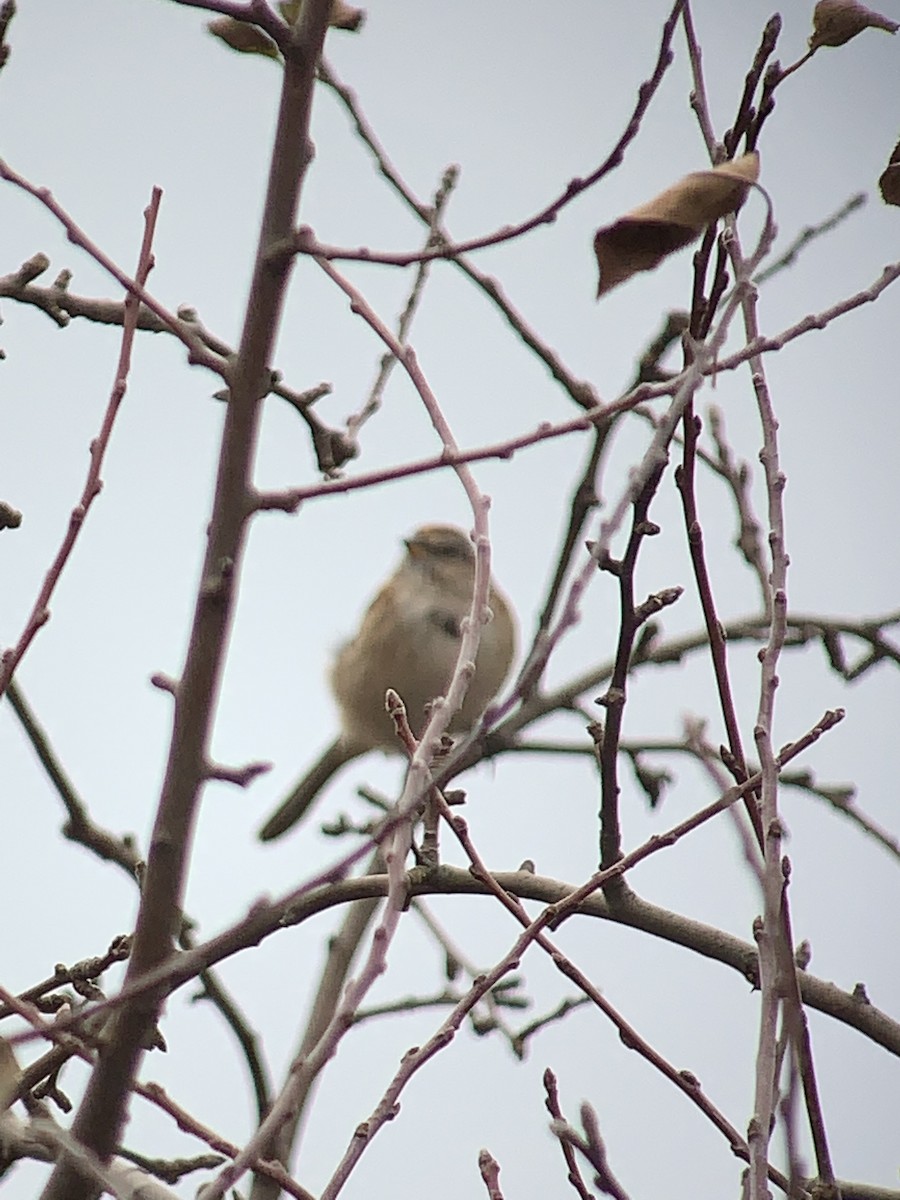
(408, 640)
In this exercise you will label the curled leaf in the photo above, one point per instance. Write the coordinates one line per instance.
(641, 239)
(243, 37)
(889, 180)
(837, 21)
(10, 518)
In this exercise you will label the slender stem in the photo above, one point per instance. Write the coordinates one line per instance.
(685, 481)
(102, 1113)
(40, 612)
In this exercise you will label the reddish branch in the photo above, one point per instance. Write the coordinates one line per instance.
(567, 904)
(489, 1169)
(197, 351)
(313, 897)
(592, 1146)
(614, 698)
(305, 243)
(684, 478)
(388, 361)
(552, 1104)
(103, 1109)
(552, 917)
(396, 838)
(778, 973)
(40, 612)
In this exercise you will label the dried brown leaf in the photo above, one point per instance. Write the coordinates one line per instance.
(837, 21)
(243, 37)
(641, 239)
(889, 181)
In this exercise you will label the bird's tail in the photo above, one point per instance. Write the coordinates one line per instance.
(292, 809)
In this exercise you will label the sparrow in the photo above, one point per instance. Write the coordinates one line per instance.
(408, 640)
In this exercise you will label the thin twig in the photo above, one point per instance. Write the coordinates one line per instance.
(82, 975)
(551, 1102)
(445, 248)
(40, 612)
(737, 477)
(808, 234)
(198, 353)
(342, 949)
(533, 933)
(395, 843)
(614, 698)
(456, 959)
(685, 480)
(489, 1169)
(81, 829)
(592, 1146)
(103, 1109)
(373, 401)
(527, 1032)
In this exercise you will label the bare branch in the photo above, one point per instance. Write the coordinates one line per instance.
(551, 1102)
(684, 478)
(102, 1111)
(240, 776)
(490, 1173)
(562, 1010)
(592, 1146)
(305, 241)
(808, 234)
(389, 360)
(40, 613)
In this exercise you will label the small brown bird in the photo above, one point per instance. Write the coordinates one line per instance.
(408, 640)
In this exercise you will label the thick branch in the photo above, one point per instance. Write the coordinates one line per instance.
(102, 1112)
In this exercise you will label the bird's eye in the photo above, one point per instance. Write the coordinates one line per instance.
(451, 549)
